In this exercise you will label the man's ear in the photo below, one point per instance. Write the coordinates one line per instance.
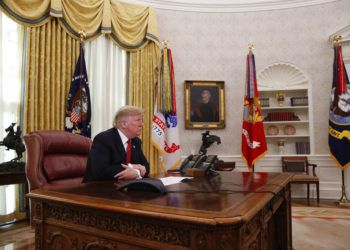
(123, 124)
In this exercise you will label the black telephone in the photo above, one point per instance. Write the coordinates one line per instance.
(202, 161)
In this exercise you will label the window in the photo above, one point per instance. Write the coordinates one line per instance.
(10, 82)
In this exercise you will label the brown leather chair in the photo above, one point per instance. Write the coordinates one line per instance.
(299, 166)
(55, 158)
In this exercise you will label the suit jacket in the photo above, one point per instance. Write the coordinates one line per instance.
(108, 153)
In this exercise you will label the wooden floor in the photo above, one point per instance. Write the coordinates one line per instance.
(28, 244)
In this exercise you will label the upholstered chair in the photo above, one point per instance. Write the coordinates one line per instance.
(300, 168)
(55, 158)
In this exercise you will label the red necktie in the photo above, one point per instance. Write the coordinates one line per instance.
(128, 152)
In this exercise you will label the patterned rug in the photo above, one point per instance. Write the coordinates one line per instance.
(320, 228)
(321, 212)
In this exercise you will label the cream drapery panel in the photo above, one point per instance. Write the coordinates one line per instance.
(142, 79)
(50, 61)
(130, 26)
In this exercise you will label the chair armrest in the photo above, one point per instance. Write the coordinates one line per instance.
(313, 168)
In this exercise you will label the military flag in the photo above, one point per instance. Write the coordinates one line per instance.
(339, 112)
(165, 135)
(253, 137)
(78, 106)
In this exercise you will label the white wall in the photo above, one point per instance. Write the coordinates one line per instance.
(213, 46)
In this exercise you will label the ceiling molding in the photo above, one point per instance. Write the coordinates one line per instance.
(228, 5)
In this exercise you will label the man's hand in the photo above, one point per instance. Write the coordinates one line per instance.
(141, 168)
(127, 174)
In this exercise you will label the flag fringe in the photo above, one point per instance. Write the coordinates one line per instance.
(338, 163)
(255, 160)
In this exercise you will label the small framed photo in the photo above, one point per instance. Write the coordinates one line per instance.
(204, 104)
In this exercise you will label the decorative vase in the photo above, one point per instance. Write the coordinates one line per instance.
(280, 145)
(280, 96)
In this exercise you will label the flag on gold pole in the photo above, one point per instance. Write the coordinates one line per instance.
(339, 112)
(165, 135)
(78, 106)
(253, 137)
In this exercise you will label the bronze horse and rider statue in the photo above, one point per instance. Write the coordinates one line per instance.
(13, 140)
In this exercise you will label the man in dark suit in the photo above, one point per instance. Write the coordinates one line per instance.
(116, 153)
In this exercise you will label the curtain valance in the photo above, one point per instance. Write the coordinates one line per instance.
(130, 26)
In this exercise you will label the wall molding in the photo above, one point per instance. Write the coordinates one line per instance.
(228, 5)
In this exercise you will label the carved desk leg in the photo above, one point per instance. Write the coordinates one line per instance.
(38, 224)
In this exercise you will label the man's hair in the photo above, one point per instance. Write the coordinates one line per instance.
(125, 112)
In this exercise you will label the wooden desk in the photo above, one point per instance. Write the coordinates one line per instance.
(230, 211)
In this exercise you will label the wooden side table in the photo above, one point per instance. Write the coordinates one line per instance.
(8, 178)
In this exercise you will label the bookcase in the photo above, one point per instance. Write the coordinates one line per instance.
(285, 104)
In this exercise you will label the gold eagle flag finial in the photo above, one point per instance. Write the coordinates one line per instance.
(250, 47)
(82, 35)
(337, 40)
(165, 43)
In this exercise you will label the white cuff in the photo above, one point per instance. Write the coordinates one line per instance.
(138, 173)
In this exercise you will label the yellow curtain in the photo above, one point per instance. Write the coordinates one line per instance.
(52, 53)
(142, 81)
(130, 26)
(50, 61)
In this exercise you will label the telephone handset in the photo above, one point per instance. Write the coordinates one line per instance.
(198, 161)
(209, 163)
(188, 163)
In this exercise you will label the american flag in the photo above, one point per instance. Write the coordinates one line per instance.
(75, 115)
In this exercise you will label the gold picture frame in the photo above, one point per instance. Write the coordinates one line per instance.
(204, 104)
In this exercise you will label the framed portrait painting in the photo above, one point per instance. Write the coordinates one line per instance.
(204, 104)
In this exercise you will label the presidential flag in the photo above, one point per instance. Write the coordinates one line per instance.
(78, 106)
(253, 137)
(165, 135)
(339, 112)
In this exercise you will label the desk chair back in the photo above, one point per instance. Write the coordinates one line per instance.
(55, 158)
(299, 166)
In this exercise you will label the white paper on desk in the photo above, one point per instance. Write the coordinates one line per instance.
(173, 180)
